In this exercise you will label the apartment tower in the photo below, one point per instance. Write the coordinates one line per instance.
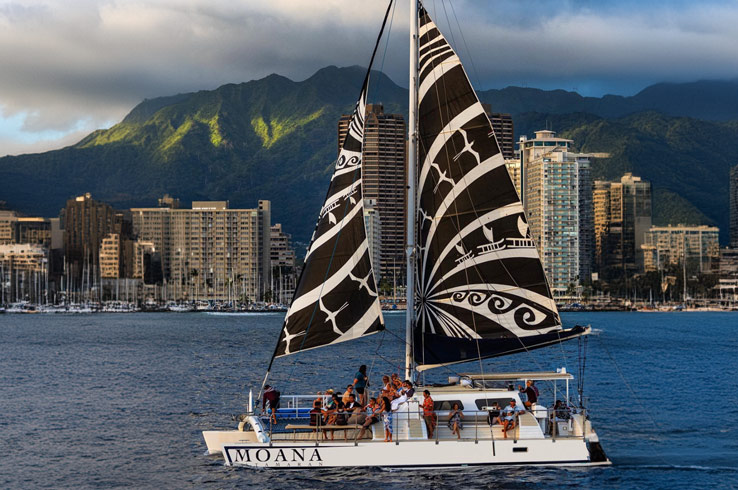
(558, 199)
(385, 181)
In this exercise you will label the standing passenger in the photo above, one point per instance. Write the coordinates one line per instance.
(387, 419)
(531, 393)
(360, 384)
(429, 414)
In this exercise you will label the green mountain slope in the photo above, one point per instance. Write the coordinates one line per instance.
(276, 139)
(687, 160)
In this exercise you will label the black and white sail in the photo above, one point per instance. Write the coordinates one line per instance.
(481, 287)
(336, 298)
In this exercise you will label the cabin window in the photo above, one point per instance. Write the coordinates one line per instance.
(447, 404)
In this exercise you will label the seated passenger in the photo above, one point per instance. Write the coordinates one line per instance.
(560, 413)
(396, 382)
(493, 415)
(315, 413)
(372, 415)
(405, 393)
(353, 409)
(510, 416)
(349, 391)
(318, 398)
(455, 423)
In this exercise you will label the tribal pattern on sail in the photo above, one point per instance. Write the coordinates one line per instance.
(479, 275)
(336, 298)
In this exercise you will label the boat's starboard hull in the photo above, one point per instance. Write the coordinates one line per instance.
(411, 454)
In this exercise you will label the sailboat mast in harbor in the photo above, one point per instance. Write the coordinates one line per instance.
(412, 146)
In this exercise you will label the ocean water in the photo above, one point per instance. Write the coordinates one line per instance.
(120, 400)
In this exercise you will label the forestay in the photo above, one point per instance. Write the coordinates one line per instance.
(481, 288)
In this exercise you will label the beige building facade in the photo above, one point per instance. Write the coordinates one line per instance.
(210, 252)
(666, 246)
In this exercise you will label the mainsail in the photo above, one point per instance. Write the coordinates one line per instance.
(336, 298)
(481, 288)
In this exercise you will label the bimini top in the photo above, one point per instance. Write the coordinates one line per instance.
(518, 376)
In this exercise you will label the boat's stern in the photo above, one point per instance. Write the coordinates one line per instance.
(250, 430)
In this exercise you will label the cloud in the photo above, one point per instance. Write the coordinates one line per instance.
(82, 64)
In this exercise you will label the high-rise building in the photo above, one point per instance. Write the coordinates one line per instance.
(32, 230)
(284, 276)
(210, 251)
(558, 200)
(734, 207)
(513, 168)
(694, 247)
(7, 220)
(384, 180)
(86, 222)
(110, 257)
(373, 225)
(502, 125)
(622, 216)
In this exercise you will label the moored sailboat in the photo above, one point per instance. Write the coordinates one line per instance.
(477, 290)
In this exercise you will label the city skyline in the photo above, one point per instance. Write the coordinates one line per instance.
(74, 68)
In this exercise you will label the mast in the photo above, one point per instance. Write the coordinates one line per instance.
(411, 157)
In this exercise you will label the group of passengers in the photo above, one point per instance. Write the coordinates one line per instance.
(351, 408)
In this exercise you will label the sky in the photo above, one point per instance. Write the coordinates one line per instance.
(68, 67)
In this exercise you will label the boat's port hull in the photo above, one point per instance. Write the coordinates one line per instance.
(411, 454)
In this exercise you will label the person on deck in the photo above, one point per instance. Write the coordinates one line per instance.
(372, 415)
(429, 414)
(352, 404)
(510, 416)
(349, 391)
(455, 420)
(493, 417)
(360, 384)
(387, 419)
(560, 413)
(396, 382)
(354, 408)
(270, 403)
(531, 393)
(405, 393)
(316, 413)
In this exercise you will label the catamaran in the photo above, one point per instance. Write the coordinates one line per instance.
(476, 290)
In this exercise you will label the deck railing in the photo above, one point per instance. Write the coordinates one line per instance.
(549, 421)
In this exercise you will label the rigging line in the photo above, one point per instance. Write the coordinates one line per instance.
(466, 46)
(365, 86)
(625, 381)
(374, 359)
(441, 364)
(386, 45)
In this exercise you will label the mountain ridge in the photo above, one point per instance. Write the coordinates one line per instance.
(275, 139)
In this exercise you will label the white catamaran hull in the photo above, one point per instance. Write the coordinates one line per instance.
(410, 454)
